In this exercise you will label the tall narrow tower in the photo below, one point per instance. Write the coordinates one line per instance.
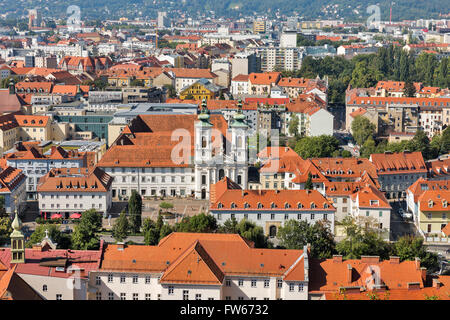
(17, 242)
(238, 170)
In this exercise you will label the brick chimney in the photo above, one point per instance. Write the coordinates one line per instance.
(370, 259)
(349, 273)
(423, 272)
(337, 258)
(417, 263)
(394, 260)
(120, 246)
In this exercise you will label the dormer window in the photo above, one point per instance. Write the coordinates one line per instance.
(430, 204)
(260, 205)
(313, 205)
(374, 202)
(220, 205)
(233, 205)
(287, 206)
(246, 205)
(273, 205)
(325, 205)
(444, 203)
(299, 205)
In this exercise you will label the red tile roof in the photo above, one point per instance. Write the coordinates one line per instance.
(392, 163)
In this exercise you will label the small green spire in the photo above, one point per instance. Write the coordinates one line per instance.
(204, 114)
(17, 226)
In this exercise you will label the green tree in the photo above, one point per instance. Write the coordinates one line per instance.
(85, 236)
(296, 234)
(121, 227)
(362, 129)
(200, 223)
(362, 239)
(135, 211)
(2, 207)
(409, 89)
(247, 230)
(293, 125)
(408, 248)
(309, 184)
(62, 240)
(166, 205)
(5, 229)
(165, 231)
(316, 147)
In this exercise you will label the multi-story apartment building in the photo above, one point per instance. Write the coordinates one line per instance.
(397, 171)
(278, 58)
(269, 209)
(35, 164)
(67, 191)
(187, 266)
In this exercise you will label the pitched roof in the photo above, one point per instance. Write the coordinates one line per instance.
(331, 274)
(209, 256)
(192, 73)
(75, 180)
(421, 185)
(32, 120)
(266, 78)
(432, 200)
(390, 163)
(13, 287)
(233, 198)
(370, 197)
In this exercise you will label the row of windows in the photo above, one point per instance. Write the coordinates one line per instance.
(75, 205)
(273, 216)
(272, 205)
(135, 279)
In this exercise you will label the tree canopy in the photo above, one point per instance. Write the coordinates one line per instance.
(85, 236)
(316, 147)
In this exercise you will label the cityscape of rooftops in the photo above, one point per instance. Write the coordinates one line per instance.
(257, 151)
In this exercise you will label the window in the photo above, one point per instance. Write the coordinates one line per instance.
(240, 298)
(135, 279)
(253, 298)
(228, 283)
(44, 288)
(266, 283)
(286, 217)
(258, 216)
(110, 296)
(135, 296)
(59, 297)
(312, 216)
(147, 296)
(110, 278)
(240, 282)
(185, 294)
(122, 279)
(123, 296)
(253, 283)
(171, 290)
(98, 296)
(291, 287)
(227, 298)
(300, 287)
(198, 296)
(147, 279)
(97, 280)
(279, 283)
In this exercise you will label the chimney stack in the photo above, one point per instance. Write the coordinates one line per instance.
(423, 272)
(394, 260)
(337, 258)
(417, 263)
(120, 246)
(370, 259)
(349, 273)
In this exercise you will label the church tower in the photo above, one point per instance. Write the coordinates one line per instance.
(203, 153)
(238, 168)
(17, 242)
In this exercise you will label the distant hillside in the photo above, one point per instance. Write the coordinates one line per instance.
(354, 10)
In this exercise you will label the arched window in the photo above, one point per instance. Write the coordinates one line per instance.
(246, 205)
(286, 205)
(325, 205)
(233, 205)
(220, 205)
(273, 205)
(299, 205)
(203, 142)
(260, 205)
(239, 179)
(313, 205)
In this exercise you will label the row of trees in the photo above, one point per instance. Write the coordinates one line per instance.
(364, 131)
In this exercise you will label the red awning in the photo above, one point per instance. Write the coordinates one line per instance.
(75, 216)
(56, 216)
